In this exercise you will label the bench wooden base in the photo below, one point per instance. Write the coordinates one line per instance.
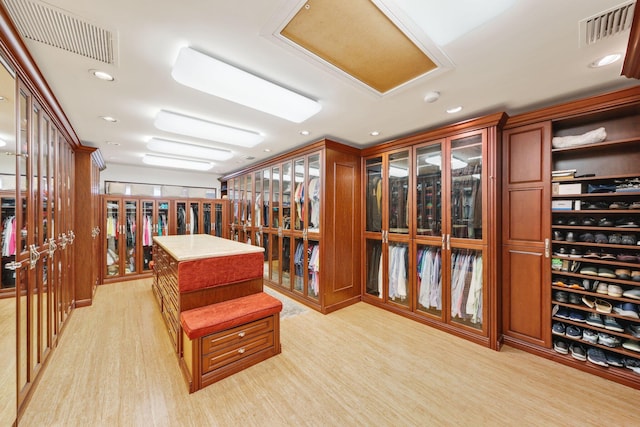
(210, 358)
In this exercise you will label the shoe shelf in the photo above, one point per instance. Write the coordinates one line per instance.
(616, 143)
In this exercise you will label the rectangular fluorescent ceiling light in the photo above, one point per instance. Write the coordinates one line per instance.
(212, 76)
(170, 162)
(197, 128)
(188, 150)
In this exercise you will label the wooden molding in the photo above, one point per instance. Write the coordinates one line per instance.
(631, 67)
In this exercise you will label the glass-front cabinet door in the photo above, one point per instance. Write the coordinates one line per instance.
(387, 222)
(113, 238)
(466, 231)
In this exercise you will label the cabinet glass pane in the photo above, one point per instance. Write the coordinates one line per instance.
(466, 188)
(236, 201)
(194, 218)
(147, 233)
(34, 156)
(314, 193)
(398, 273)
(399, 192)
(23, 183)
(298, 263)
(374, 267)
(466, 287)
(275, 202)
(265, 245)
(275, 253)
(218, 220)
(162, 221)
(246, 205)
(286, 262)
(429, 274)
(286, 196)
(374, 194)
(266, 188)
(181, 218)
(257, 205)
(207, 219)
(313, 267)
(44, 180)
(131, 230)
(429, 191)
(112, 235)
(298, 173)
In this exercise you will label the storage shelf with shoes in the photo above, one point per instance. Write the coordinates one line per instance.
(595, 255)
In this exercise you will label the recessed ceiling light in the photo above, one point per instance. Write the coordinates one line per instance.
(188, 150)
(267, 150)
(2, 98)
(374, 133)
(102, 75)
(108, 119)
(171, 162)
(454, 109)
(304, 132)
(209, 75)
(605, 60)
(113, 143)
(197, 128)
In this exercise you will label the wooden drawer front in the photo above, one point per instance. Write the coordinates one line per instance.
(236, 336)
(230, 354)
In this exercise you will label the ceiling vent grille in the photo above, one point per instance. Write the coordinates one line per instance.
(607, 24)
(54, 27)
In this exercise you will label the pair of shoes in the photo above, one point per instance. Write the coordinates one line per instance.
(626, 309)
(606, 272)
(561, 296)
(597, 357)
(560, 347)
(558, 328)
(573, 332)
(614, 290)
(633, 330)
(603, 306)
(590, 336)
(594, 319)
(577, 316)
(608, 340)
(615, 360)
(578, 352)
(633, 364)
(632, 293)
(611, 324)
(575, 299)
(632, 345)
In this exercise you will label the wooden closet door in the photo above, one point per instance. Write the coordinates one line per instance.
(526, 290)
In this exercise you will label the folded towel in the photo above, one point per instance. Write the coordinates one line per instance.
(591, 137)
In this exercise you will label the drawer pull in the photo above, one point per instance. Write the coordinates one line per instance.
(242, 334)
(241, 350)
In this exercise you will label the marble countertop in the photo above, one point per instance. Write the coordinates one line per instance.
(198, 246)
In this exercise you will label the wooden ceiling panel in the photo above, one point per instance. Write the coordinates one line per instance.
(356, 37)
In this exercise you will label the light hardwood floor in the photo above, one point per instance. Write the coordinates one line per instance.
(359, 366)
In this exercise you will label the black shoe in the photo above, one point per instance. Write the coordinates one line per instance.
(571, 237)
(560, 347)
(575, 299)
(597, 357)
(561, 296)
(558, 328)
(558, 235)
(578, 352)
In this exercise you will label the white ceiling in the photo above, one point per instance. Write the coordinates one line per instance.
(526, 57)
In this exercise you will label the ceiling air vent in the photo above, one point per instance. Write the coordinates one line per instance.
(606, 24)
(54, 27)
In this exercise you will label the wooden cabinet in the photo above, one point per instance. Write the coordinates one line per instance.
(303, 208)
(88, 224)
(525, 233)
(569, 288)
(431, 228)
(130, 223)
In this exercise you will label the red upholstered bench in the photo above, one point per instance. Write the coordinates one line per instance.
(224, 338)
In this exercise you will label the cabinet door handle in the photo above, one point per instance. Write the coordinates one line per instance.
(242, 334)
(448, 242)
(546, 248)
(241, 350)
(444, 239)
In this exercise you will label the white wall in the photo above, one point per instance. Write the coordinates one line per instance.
(147, 175)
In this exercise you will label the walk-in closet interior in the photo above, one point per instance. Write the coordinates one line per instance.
(506, 228)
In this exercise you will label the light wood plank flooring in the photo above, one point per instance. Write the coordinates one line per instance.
(359, 366)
